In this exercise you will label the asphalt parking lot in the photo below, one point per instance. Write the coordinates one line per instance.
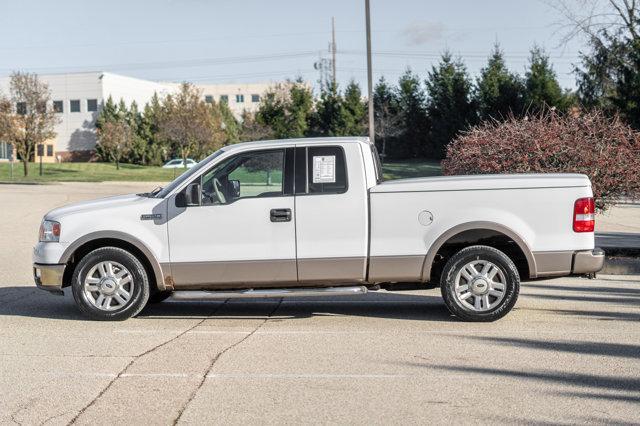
(568, 353)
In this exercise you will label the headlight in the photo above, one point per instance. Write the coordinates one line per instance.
(49, 231)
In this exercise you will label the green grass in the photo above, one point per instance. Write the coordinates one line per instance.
(86, 172)
(411, 169)
(99, 172)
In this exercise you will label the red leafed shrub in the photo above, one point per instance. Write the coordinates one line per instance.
(605, 149)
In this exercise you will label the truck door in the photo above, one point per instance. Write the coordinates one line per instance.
(240, 230)
(331, 214)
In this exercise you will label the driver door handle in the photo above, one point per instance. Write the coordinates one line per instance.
(280, 215)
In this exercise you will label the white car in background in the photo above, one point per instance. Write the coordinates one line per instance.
(177, 163)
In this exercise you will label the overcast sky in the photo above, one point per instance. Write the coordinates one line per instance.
(221, 41)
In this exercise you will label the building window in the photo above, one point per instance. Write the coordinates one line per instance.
(224, 98)
(74, 105)
(21, 108)
(49, 150)
(92, 105)
(208, 99)
(239, 99)
(255, 98)
(58, 106)
(5, 151)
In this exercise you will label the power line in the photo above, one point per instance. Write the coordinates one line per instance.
(183, 63)
(437, 55)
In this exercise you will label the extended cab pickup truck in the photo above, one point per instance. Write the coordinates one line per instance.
(314, 217)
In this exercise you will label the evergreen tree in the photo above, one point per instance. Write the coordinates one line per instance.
(542, 88)
(138, 152)
(330, 118)
(108, 114)
(272, 111)
(412, 142)
(609, 76)
(299, 109)
(229, 123)
(450, 106)
(499, 93)
(355, 110)
(286, 109)
(158, 151)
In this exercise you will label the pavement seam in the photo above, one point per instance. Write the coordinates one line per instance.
(215, 359)
(147, 352)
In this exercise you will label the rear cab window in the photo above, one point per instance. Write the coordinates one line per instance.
(320, 170)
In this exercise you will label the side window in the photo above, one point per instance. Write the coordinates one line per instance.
(326, 170)
(250, 175)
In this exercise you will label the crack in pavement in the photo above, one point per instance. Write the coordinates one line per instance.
(137, 357)
(47, 420)
(21, 408)
(215, 359)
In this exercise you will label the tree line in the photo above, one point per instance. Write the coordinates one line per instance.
(416, 117)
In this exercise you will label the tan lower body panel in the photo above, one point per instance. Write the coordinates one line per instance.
(233, 274)
(395, 269)
(551, 263)
(267, 273)
(332, 270)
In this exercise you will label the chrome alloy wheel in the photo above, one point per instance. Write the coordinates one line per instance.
(480, 286)
(109, 286)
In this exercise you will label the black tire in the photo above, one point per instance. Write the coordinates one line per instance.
(140, 292)
(159, 296)
(480, 253)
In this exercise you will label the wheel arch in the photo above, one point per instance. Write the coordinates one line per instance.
(94, 240)
(470, 233)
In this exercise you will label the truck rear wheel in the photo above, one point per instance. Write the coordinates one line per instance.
(480, 283)
(110, 284)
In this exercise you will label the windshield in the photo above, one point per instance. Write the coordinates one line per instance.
(187, 175)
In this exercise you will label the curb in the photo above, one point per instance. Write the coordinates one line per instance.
(8, 182)
(619, 265)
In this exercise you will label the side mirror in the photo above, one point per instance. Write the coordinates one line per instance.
(235, 188)
(181, 199)
(190, 196)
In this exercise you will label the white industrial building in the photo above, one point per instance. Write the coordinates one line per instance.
(78, 97)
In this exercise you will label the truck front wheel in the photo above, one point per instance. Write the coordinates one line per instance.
(110, 284)
(480, 283)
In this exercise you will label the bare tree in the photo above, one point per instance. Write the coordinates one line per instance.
(595, 18)
(8, 125)
(253, 130)
(26, 118)
(116, 139)
(188, 123)
(388, 125)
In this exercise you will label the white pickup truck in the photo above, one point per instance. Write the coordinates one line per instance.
(314, 217)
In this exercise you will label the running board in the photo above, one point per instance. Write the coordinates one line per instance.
(267, 293)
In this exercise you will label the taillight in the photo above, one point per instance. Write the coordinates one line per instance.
(584, 217)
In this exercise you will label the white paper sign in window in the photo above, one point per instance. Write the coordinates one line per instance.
(324, 169)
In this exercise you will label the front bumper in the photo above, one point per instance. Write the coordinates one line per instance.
(588, 262)
(49, 277)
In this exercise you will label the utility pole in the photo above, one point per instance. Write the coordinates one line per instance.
(333, 50)
(40, 153)
(372, 130)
